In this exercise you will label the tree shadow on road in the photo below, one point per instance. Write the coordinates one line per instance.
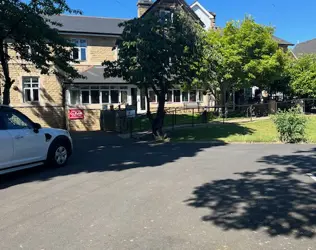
(270, 199)
(104, 152)
(303, 162)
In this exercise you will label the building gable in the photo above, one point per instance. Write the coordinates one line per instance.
(208, 18)
(163, 4)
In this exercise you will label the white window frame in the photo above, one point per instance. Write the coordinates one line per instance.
(107, 89)
(117, 50)
(100, 88)
(173, 96)
(31, 88)
(29, 51)
(166, 13)
(198, 98)
(85, 89)
(78, 46)
(69, 96)
(156, 98)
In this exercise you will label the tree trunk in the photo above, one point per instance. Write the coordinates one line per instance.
(157, 124)
(5, 69)
(148, 113)
(6, 95)
(223, 99)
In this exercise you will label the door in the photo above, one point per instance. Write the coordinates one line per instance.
(6, 146)
(134, 96)
(29, 147)
(141, 102)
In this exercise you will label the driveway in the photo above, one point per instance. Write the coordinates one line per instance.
(118, 194)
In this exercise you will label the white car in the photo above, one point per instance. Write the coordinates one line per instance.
(24, 144)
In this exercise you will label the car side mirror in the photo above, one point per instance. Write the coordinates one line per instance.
(36, 127)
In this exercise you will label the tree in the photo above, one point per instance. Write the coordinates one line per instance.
(303, 76)
(244, 54)
(159, 54)
(27, 30)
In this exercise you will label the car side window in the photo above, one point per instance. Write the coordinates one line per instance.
(15, 120)
(2, 125)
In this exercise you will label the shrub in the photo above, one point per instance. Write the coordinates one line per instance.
(290, 125)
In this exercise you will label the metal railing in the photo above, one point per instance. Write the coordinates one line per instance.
(192, 116)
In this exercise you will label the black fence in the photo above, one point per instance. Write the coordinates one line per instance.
(192, 116)
(177, 117)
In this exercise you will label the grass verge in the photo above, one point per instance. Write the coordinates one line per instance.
(257, 131)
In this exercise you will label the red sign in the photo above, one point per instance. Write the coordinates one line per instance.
(75, 114)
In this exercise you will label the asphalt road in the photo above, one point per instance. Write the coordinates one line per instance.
(118, 194)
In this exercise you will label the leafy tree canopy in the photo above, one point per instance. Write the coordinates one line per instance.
(303, 76)
(27, 29)
(244, 55)
(159, 54)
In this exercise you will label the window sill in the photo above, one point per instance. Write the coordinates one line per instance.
(31, 103)
(78, 62)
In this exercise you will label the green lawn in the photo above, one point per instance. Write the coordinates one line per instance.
(257, 131)
(141, 123)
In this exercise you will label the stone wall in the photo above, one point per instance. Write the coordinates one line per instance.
(49, 111)
(91, 121)
(49, 116)
(98, 49)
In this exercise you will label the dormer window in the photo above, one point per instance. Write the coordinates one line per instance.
(165, 16)
(80, 49)
(27, 52)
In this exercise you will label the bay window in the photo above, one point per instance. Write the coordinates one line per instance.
(98, 95)
(185, 96)
(192, 96)
(105, 97)
(169, 96)
(152, 96)
(85, 95)
(114, 95)
(200, 96)
(176, 95)
(74, 96)
(95, 95)
(123, 94)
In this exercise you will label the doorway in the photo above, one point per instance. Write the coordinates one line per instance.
(134, 96)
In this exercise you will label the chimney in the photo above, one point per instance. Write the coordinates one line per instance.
(143, 6)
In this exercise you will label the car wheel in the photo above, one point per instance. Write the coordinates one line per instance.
(58, 154)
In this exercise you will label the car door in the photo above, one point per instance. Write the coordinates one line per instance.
(29, 146)
(6, 146)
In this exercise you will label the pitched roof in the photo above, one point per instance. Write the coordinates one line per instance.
(282, 41)
(210, 14)
(308, 47)
(94, 75)
(89, 25)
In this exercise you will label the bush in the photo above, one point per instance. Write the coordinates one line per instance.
(290, 125)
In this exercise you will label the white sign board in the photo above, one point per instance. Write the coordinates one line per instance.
(131, 113)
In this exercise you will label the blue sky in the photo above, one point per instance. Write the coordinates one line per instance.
(294, 20)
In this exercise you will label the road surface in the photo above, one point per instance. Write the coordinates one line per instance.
(117, 194)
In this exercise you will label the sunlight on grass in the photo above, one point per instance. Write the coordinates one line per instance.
(311, 129)
(258, 131)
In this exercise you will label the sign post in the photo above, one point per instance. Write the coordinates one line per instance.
(130, 115)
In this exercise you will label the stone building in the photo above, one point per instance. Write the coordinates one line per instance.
(45, 101)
